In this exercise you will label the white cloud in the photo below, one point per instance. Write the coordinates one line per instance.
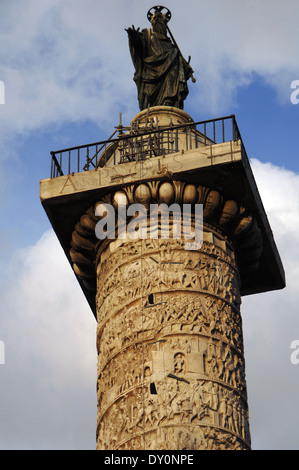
(279, 189)
(58, 65)
(66, 61)
(271, 321)
(48, 382)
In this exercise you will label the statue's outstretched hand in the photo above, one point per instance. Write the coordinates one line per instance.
(132, 32)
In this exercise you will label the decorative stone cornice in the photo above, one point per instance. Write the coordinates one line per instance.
(221, 215)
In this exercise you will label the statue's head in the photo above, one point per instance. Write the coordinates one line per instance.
(159, 17)
(159, 22)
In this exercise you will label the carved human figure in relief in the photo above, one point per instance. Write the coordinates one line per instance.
(179, 363)
(161, 73)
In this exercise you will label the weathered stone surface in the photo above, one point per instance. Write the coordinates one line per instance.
(171, 362)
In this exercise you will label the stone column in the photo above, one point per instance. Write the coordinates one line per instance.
(171, 371)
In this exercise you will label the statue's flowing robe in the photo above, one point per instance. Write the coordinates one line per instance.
(160, 71)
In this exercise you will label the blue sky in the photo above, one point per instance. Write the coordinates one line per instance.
(67, 74)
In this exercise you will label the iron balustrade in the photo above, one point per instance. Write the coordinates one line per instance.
(138, 143)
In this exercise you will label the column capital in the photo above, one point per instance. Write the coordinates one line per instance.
(227, 218)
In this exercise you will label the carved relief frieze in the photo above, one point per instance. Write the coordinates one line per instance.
(171, 368)
(185, 356)
(146, 275)
(183, 313)
(196, 406)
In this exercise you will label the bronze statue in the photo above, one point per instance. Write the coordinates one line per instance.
(161, 72)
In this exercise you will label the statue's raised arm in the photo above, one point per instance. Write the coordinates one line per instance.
(161, 72)
(132, 32)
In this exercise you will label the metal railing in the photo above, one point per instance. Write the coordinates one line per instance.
(138, 143)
